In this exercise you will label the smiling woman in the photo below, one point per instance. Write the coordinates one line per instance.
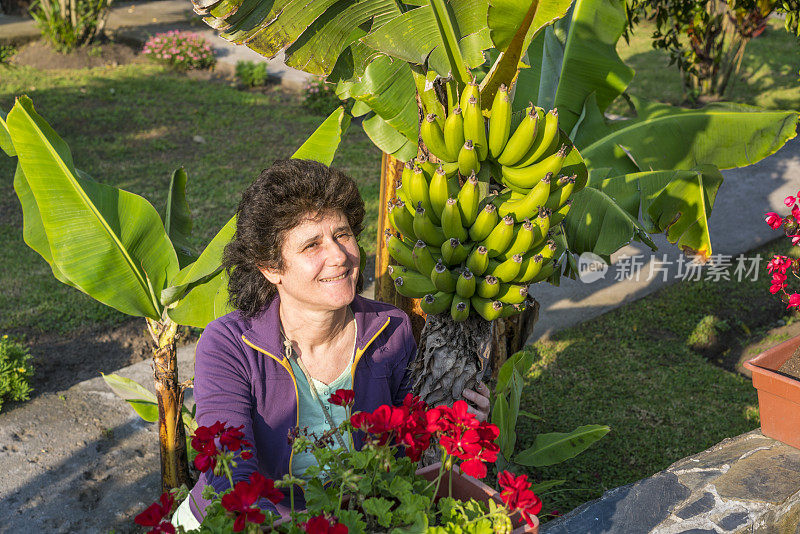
(300, 330)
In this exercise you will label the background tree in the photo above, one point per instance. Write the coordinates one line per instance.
(706, 39)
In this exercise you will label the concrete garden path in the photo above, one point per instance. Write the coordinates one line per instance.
(82, 461)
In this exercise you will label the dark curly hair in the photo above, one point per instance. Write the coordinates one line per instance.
(277, 201)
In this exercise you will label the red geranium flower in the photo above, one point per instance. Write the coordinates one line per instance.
(204, 441)
(240, 502)
(794, 300)
(789, 201)
(322, 525)
(517, 495)
(343, 397)
(779, 264)
(155, 514)
(773, 220)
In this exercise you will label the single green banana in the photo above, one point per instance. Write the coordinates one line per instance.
(522, 140)
(438, 191)
(512, 293)
(527, 177)
(465, 285)
(459, 309)
(528, 205)
(436, 303)
(426, 229)
(401, 218)
(419, 193)
(413, 285)
(513, 309)
(500, 237)
(468, 201)
(471, 89)
(499, 121)
(423, 260)
(433, 137)
(487, 287)
(545, 142)
(522, 242)
(547, 250)
(488, 309)
(531, 265)
(451, 221)
(478, 260)
(542, 225)
(558, 216)
(475, 127)
(428, 167)
(453, 252)
(544, 273)
(396, 270)
(399, 250)
(401, 187)
(468, 162)
(443, 278)
(451, 169)
(484, 223)
(507, 270)
(558, 197)
(454, 132)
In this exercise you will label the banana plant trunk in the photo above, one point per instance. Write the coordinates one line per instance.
(169, 392)
(451, 356)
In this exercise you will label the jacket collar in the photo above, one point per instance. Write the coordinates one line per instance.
(264, 329)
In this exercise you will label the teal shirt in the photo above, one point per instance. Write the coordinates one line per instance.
(311, 414)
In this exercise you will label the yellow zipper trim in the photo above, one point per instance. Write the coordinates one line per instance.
(286, 365)
(360, 352)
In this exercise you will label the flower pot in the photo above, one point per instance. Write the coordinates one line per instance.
(778, 395)
(466, 487)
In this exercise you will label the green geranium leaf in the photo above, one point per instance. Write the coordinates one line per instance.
(380, 508)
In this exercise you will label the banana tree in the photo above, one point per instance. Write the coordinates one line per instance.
(113, 245)
(402, 61)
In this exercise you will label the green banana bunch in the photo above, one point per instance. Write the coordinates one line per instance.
(471, 230)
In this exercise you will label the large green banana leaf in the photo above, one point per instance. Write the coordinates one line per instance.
(605, 215)
(553, 448)
(319, 36)
(576, 57)
(512, 26)
(199, 293)
(667, 137)
(108, 243)
(5, 138)
(178, 219)
(444, 39)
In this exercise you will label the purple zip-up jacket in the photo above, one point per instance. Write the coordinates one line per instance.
(242, 377)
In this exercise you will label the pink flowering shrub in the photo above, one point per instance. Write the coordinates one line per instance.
(780, 267)
(320, 97)
(180, 50)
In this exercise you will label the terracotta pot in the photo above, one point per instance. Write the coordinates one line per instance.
(778, 395)
(466, 487)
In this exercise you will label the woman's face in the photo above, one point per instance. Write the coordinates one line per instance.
(320, 264)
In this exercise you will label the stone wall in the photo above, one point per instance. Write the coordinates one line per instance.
(749, 483)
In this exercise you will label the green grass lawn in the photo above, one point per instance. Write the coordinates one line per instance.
(635, 370)
(130, 127)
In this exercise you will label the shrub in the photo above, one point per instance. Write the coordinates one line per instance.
(251, 74)
(68, 24)
(6, 52)
(180, 50)
(15, 371)
(320, 98)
